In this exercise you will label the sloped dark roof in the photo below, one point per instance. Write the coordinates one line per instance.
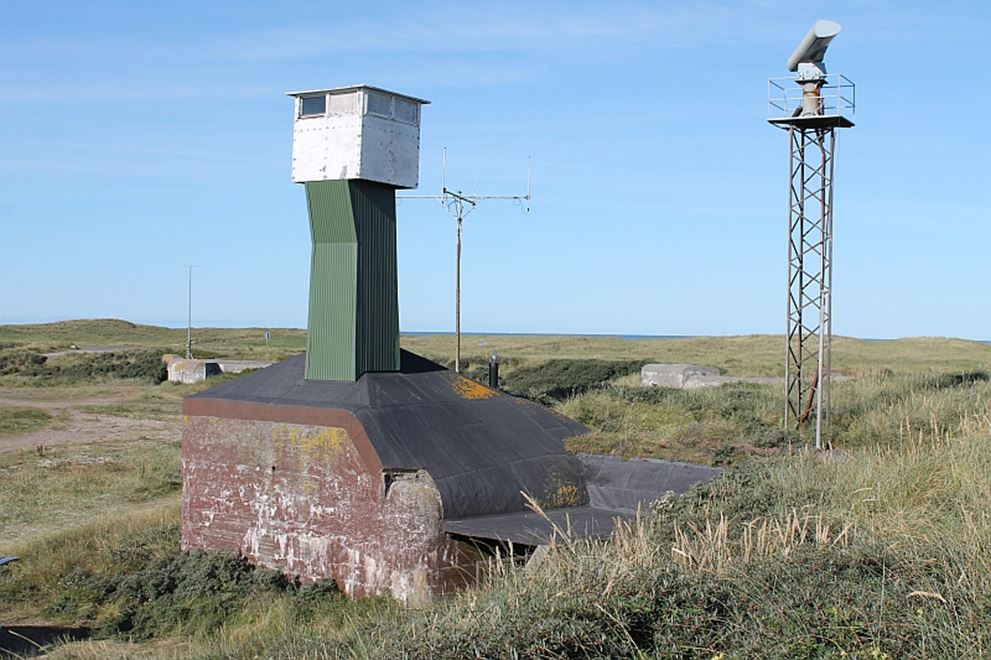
(481, 447)
(531, 528)
(617, 490)
(625, 486)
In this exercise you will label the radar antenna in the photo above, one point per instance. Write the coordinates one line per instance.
(810, 113)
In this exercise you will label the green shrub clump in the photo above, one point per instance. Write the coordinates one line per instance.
(145, 365)
(186, 594)
(14, 360)
(558, 379)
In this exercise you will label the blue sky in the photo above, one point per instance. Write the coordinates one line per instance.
(136, 137)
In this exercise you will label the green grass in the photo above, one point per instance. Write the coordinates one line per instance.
(755, 355)
(737, 421)
(247, 343)
(880, 549)
(52, 488)
(882, 553)
(136, 409)
(22, 420)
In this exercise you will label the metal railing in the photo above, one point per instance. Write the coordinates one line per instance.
(838, 97)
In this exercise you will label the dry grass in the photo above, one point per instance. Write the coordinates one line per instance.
(711, 548)
(885, 548)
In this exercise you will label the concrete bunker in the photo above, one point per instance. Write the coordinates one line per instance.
(400, 483)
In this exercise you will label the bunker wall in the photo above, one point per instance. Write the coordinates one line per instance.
(300, 499)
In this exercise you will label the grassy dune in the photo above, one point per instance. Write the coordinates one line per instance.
(248, 343)
(881, 550)
(752, 355)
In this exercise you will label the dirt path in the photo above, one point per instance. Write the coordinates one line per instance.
(72, 425)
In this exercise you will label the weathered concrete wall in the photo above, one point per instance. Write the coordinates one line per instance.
(679, 375)
(691, 376)
(190, 371)
(300, 499)
(184, 370)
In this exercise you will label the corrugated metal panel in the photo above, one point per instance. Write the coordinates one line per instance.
(354, 309)
(377, 334)
(333, 274)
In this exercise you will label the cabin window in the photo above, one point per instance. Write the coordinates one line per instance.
(379, 104)
(407, 112)
(313, 106)
(344, 104)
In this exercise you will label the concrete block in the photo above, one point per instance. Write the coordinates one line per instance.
(680, 376)
(188, 371)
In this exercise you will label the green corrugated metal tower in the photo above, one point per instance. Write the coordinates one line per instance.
(353, 147)
(354, 304)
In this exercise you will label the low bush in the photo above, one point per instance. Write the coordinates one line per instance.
(127, 578)
(560, 378)
(145, 365)
(14, 360)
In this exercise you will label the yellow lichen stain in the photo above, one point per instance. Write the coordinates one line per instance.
(309, 486)
(471, 390)
(308, 445)
(330, 440)
(564, 495)
(562, 491)
(282, 436)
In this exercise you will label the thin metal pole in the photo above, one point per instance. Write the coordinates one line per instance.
(800, 303)
(457, 299)
(823, 289)
(461, 205)
(829, 280)
(189, 316)
(791, 193)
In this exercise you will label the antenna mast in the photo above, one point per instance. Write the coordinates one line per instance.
(459, 205)
(810, 113)
(189, 313)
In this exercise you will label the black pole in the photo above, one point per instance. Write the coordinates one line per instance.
(494, 371)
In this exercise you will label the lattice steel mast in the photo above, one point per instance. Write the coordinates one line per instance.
(811, 114)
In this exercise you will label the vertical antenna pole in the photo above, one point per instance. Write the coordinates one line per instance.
(443, 178)
(457, 297)
(529, 178)
(189, 315)
(460, 205)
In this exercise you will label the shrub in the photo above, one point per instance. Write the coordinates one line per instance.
(15, 360)
(145, 364)
(559, 379)
(139, 585)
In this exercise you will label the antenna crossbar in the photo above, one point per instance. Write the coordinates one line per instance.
(458, 206)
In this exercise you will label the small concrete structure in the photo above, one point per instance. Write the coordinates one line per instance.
(680, 376)
(189, 371)
(691, 376)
